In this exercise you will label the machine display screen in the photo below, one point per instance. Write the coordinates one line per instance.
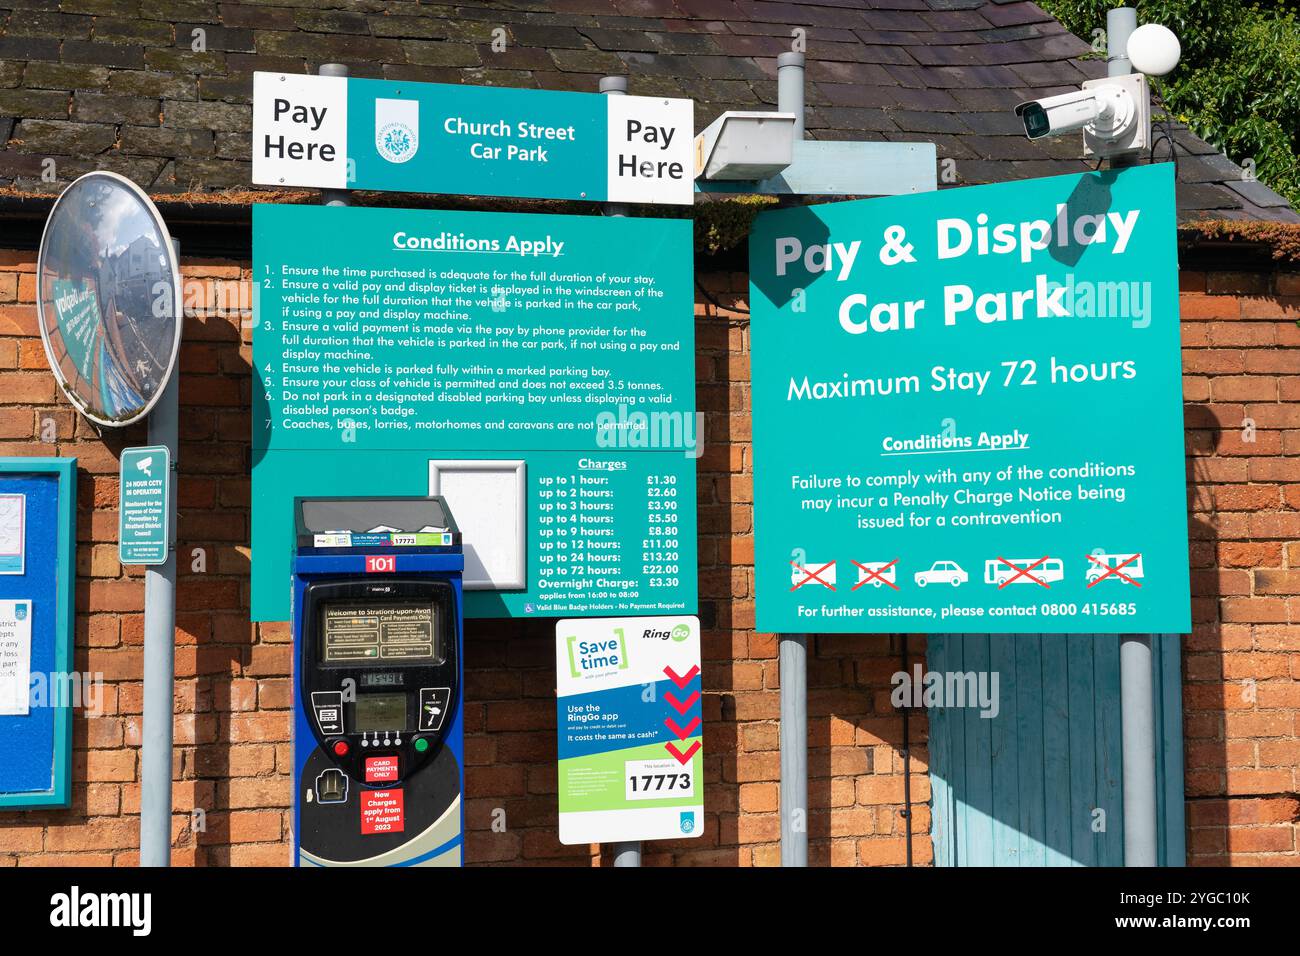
(372, 633)
(379, 712)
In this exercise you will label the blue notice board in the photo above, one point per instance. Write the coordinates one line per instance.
(38, 512)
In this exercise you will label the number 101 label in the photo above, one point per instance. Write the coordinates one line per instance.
(655, 779)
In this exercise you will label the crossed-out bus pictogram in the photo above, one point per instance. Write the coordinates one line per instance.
(1024, 572)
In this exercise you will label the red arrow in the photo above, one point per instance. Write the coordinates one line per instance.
(681, 732)
(682, 757)
(681, 682)
(678, 705)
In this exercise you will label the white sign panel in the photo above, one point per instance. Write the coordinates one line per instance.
(650, 143)
(15, 656)
(300, 130)
(629, 716)
(13, 533)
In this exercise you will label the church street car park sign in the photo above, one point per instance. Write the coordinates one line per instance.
(968, 411)
(344, 133)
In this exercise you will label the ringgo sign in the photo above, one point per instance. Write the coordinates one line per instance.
(968, 411)
(342, 133)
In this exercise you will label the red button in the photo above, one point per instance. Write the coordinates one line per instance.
(341, 748)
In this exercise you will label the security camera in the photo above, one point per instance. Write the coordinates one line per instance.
(1114, 115)
(1058, 115)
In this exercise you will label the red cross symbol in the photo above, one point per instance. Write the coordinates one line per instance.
(1115, 570)
(1024, 573)
(877, 575)
(812, 575)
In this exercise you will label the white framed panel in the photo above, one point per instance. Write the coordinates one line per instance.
(487, 498)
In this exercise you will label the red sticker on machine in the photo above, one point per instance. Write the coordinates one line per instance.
(381, 811)
(381, 769)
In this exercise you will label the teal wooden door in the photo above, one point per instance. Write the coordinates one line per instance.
(1024, 788)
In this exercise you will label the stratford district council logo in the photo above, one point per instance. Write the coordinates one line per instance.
(397, 129)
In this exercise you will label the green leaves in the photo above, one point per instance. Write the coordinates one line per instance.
(1238, 85)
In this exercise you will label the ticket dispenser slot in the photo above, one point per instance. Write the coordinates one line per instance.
(378, 636)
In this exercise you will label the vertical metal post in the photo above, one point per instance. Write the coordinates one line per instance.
(1137, 719)
(334, 197)
(1137, 711)
(789, 88)
(793, 648)
(627, 853)
(160, 652)
(1120, 24)
(793, 651)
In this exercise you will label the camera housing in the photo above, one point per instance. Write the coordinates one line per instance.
(1114, 115)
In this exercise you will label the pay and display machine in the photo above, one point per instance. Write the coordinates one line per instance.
(378, 731)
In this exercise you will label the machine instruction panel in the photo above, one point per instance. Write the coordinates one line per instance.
(369, 632)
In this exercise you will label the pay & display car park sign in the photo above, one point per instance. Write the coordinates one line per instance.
(968, 411)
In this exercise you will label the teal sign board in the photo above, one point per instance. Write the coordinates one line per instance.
(336, 132)
(403, 352)
(968, 411)
(144, 523)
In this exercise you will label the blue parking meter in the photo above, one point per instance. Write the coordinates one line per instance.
(378, 738)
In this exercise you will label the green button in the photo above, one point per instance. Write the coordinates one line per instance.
(421, 745)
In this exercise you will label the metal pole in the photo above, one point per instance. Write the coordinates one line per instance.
(334, 197)
(1120, 24)
(627, 853)
(1137, 717)
(160, 655)
(793, 648)
(1137, 712)
(789, 88)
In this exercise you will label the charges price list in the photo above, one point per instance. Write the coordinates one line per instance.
(586, 527)
(660, 548)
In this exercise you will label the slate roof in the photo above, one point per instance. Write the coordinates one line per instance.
(117, 84)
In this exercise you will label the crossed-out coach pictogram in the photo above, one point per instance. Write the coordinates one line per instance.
(1115, 570)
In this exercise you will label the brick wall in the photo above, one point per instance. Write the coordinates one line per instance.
(1241, 664)
(233, 689)
(1241, 698)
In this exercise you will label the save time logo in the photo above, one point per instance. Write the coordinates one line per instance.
(598, 658)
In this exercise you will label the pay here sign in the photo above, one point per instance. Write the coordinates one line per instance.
(968, 411)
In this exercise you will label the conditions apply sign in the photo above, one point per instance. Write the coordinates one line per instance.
(968, 411)
(533, 353)
(342, 133)
(629, 718)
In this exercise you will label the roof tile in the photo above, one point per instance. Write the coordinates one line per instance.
(945, 71)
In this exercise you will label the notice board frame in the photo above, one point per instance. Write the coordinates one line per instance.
(64, 470)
